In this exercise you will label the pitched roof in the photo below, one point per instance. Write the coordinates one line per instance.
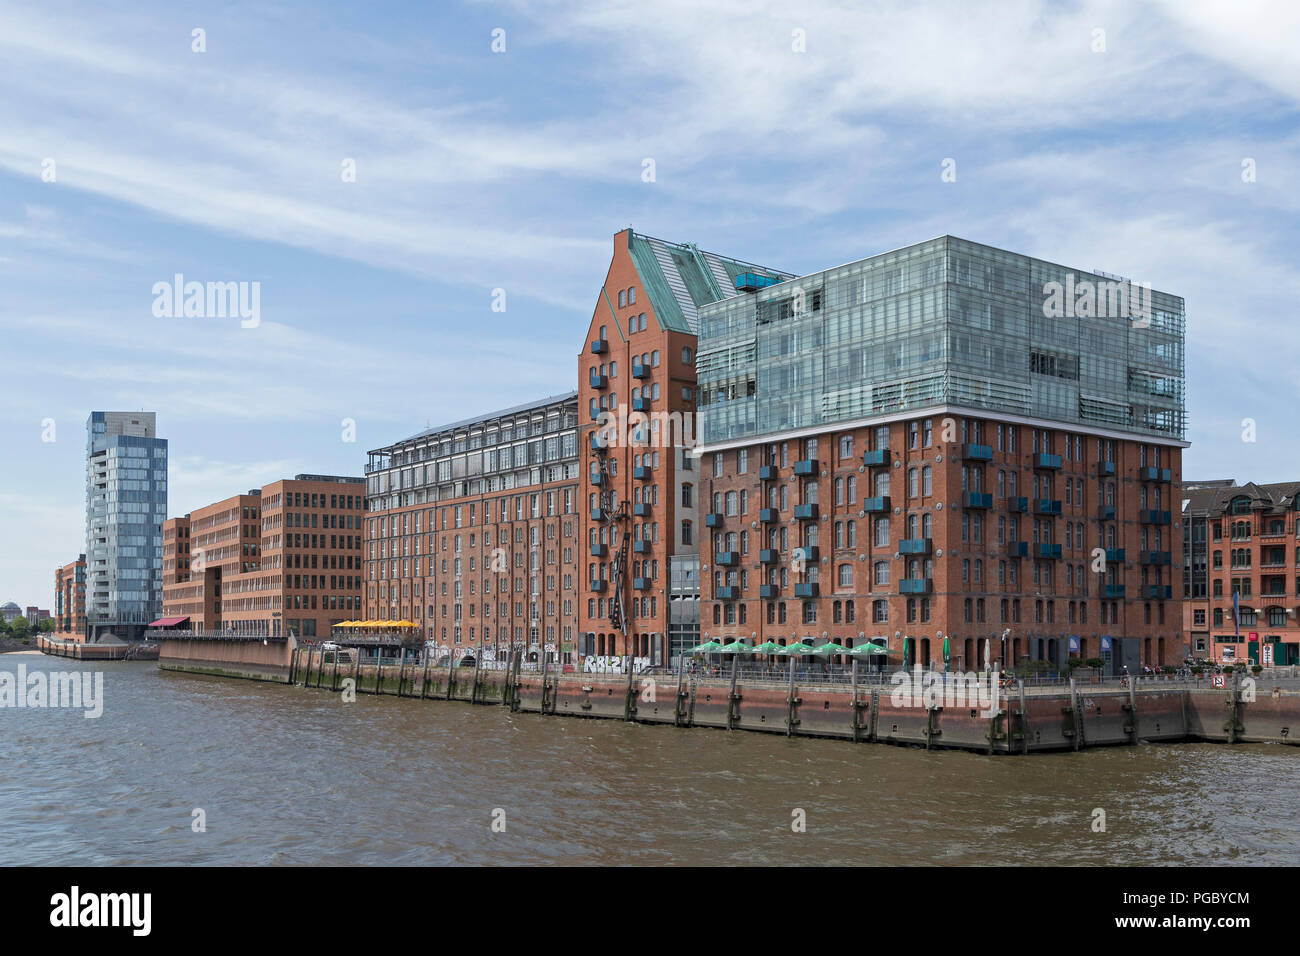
(1214, 497)
(679, 278)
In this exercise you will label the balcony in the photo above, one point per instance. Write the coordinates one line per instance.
(598, 514)
(641, 584)
(1116, 555)
(1018, 549)
(876, 459)
(640, 404)
(597, 441)
(806, 468)
(976, 499)
(1045, 462)
(977, 452)
(728, 592)
(640, 371)
(599, 346)
(1156, 557)
(877, 505)
(1106, 513)
(641, 546)
(768, 515)
(599, 381)
(642, 473)
(805, 512)
(1147, 516)
(713, 519)
(641, 509)
(1159, 592)
(1154, 474)
(769, 591)
(594, 477)
(599, 585)
(806, 589)
(1112, 591)
(915, 586)
(768, 473)
(1047, 506)
(1048, 551)
(769, 556)
(1018, 505)
(1105, 469)
(915, 546)
(599, 550)
(809, 554)
(727, 559)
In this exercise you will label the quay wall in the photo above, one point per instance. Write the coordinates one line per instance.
(1023, 720)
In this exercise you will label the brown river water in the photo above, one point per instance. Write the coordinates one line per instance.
(292, 776)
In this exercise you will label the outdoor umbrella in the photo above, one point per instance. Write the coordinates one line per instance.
(947, 654)
(829, 650)
(869, 649)
(735, 647)
(708, 647)
(799, 647)
(768, 647)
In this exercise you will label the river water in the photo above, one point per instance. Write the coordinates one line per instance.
(295, 776)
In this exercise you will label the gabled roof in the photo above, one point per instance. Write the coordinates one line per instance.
(1216, 497)
(679, 278)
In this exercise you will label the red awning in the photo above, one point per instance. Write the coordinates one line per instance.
(168, 622)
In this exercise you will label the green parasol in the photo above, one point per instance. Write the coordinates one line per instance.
(768, 647)
(708, 647)
(869, 649)
(735, 647)
(797, 648)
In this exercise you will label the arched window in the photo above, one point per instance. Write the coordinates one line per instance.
(845, 575)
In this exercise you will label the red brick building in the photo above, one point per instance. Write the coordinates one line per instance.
(1242, 541)
(636, 396)
(70, 600)
(283, 558)
(891, 531)
(471, 530)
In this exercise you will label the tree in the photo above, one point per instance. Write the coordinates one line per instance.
(19, 627)
(45, 625)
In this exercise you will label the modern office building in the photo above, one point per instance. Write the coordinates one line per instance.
(126, 505)
(70, 600)
(948, 447)
(1242, 542)
(636, 392)
(471, 530)
(281, 559)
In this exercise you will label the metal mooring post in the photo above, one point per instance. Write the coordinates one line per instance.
(789, 703)
(1074, 712)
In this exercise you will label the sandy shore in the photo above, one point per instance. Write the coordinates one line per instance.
(15, 653)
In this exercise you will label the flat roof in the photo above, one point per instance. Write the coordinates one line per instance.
(478, 419)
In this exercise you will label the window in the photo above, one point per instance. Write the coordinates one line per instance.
(845, 579)
(686, 356)
(622, 298)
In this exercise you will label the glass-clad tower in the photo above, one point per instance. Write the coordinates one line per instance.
(126, 505)
(943, 322)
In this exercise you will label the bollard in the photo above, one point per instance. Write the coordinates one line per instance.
(424, 679)
(401, 673)
(356, 669)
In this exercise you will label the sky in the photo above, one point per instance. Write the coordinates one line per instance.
(500, 146)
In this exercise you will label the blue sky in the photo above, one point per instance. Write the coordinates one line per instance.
(479, 170)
